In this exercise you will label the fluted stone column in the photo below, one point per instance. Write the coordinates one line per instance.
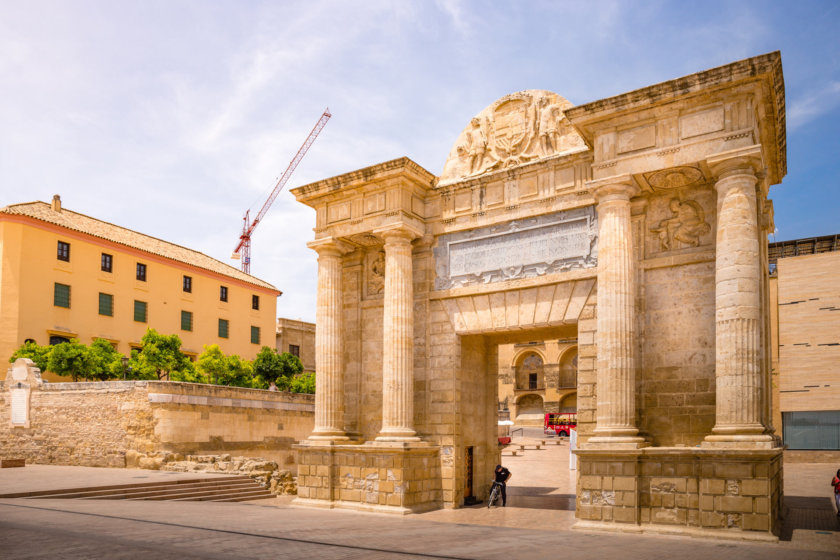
(398, 340)
(739, 377)
(329, 383)
(616, 336)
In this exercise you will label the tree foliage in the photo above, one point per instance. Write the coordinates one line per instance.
(303, 383)
(105, 361)
(38, 354)
(71, 359)
(161, 353)
(271, 367)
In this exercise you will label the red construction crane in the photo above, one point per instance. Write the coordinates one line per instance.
(243, 249)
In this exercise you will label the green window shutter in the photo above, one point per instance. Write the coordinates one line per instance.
(61, 295)
(255, 335)
(186, 320)
(223, 328)
(140, 311)
(106, 304)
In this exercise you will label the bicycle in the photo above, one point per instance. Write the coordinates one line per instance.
(495, 490)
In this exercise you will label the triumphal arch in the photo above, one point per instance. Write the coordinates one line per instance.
(635, 225)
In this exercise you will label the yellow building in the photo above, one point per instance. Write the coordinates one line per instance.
(66, 275)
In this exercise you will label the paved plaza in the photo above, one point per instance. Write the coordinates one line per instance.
(535, 524)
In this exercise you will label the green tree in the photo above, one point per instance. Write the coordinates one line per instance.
(212, 363)
(162, 354)
(38, 354)
(268, 366)
(271, 367)
(70, 359)
(303, 383)
(240, 373)
(106, 362)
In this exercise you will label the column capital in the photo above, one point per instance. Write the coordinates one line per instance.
(397, 232)
(330, 246)
(741, 161)
(618, 187)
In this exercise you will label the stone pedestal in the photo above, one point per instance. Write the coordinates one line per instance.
(730, 493)
(388, 478)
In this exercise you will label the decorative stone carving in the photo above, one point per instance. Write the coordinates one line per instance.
(516, 129)
(686, 225)
(674, 178)
(376, 273)
(518, 249)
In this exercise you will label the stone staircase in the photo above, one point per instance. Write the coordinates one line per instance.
(206, 489)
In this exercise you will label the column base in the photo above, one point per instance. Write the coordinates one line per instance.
(616, 442)
(741, 441)
(398, 435)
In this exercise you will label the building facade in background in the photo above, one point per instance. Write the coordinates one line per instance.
(805, 307)
(298, 338)
(65, 275)
(536, 378)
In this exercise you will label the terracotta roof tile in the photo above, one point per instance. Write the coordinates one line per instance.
(97, 228)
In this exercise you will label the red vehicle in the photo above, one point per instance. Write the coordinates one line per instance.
(560, 423)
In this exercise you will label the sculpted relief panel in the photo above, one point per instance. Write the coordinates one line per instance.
(518, 249)
(516, 129)
(681, 221)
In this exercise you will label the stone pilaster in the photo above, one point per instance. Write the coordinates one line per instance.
(616, 335)
(740, 377)
(329, 383)
(398, 342)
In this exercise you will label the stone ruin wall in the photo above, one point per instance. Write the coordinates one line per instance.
(144, 423)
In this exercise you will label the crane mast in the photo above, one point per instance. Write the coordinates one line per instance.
(243, 249)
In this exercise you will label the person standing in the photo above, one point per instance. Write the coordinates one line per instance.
(836, 483)
(502, 475)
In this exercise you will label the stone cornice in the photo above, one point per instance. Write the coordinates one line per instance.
(387, 170)
(765, 69)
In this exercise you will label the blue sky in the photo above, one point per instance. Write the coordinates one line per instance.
(174, 117)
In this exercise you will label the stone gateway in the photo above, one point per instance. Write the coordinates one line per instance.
(635, 225)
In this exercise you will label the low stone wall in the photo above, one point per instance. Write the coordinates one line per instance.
(736, 493)
(147, 423)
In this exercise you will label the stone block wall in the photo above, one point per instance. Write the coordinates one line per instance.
(663, 489)
(370, 477)
(99, 424)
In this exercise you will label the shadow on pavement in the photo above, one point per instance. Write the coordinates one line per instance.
(809, 513)
(539, 497)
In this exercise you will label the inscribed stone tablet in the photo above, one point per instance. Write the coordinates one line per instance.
(20, 406)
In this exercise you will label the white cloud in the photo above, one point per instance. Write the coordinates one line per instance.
(815, 103)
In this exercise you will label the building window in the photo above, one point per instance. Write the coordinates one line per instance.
(812, 429)
(222, 293)
(223, 328)
(294, 350)
(63, 251)
(255, 335)
(141, 311)
(141, 272)
(107, 262)
(61, 295)
(186, 320)
(255, 302)
(188, 284)
(106, 304)
(58, 340)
